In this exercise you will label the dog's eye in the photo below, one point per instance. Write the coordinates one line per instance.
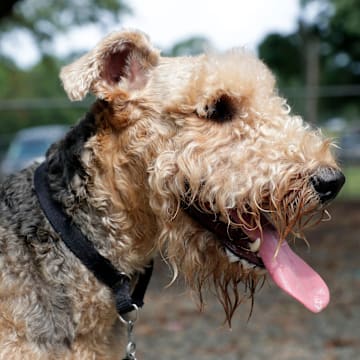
(222, 110)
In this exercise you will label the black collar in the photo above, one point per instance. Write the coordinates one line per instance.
(85, 250)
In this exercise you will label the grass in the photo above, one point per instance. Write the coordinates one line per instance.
(351, 189)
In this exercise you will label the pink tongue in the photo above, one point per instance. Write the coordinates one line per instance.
(291, 273)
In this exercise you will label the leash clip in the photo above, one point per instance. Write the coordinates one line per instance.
(131, 345)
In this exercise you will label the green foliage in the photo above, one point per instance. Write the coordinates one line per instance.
(276, 50)
(43, 19)
(337, 28)
(347, 16)
(189, 47)
(34, 96)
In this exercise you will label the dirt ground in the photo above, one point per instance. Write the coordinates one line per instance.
(171, 327)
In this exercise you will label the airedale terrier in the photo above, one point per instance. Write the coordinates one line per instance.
(195, 158)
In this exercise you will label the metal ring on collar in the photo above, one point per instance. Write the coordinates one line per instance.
(132, 321)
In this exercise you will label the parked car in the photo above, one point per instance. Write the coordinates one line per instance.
(349, 147)
(30, 145)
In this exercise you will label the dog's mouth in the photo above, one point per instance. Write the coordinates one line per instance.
(259, 249)
(238, 246)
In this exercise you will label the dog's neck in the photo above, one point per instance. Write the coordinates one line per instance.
(85, 251)
(90, 195)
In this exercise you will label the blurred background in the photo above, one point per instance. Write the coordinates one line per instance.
(313, 47)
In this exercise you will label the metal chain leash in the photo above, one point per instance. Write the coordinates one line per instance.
(131, 345)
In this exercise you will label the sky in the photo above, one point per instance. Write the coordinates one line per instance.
(226, 23)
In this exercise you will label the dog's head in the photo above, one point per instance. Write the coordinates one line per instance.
(205, 147)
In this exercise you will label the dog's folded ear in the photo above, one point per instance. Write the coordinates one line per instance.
(122, 60)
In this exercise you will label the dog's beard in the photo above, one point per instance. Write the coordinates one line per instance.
(200, 258)
(208, 263)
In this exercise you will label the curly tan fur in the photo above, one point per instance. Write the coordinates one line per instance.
(148, 143)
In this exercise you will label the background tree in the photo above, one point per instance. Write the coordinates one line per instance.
(189, 47)
(34, 96)
(6, 7)
(336, 30)
(43, 20)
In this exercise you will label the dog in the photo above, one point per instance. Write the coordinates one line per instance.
(194, 158)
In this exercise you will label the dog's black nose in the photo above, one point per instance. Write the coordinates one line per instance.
(327, 182)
